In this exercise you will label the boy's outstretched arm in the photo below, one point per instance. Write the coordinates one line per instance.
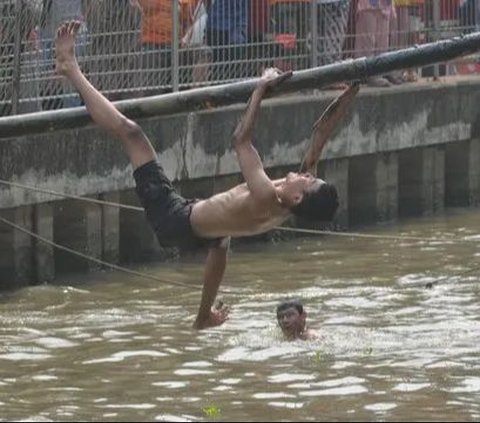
(269, 80)
(326, 125)
(258, 182)
(214, 271)
(103, 112)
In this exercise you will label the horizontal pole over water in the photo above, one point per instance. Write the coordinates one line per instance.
(236, 92)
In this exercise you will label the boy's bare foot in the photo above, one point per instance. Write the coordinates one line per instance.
(65, 47)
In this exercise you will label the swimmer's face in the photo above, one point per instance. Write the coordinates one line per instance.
(291, 322)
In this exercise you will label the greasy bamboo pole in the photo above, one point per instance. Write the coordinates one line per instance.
(222, 95)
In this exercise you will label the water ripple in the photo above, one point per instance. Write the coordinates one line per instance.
(388, 349)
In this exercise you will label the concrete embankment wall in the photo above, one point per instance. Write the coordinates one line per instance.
(406, 150)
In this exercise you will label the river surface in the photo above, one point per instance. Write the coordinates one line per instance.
(112, 347)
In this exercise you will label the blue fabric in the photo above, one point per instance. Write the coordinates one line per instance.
(230, 16)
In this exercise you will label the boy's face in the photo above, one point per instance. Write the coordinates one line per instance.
(296, 184)
(291, 322)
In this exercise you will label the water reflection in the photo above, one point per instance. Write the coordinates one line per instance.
(116, 348)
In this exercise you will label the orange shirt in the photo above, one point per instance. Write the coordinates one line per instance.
(156, 21)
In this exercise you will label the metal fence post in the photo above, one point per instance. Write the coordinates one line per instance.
(175, 47)
(436, 34)
(314, 32)
(17, 51)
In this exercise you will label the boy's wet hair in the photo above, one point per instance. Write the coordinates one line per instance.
(318, 205)
(286, 304)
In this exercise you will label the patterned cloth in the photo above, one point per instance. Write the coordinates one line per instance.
(332, 23)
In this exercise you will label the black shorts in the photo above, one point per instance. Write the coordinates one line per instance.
(167, 212)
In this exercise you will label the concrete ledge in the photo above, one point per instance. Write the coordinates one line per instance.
(197, 145)
(404, 151)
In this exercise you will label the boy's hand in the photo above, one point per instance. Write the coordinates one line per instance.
(218, 315)
(272, 77)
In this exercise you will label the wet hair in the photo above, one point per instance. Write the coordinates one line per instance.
(318, 205)
(286, 304)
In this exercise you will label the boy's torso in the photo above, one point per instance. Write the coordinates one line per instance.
(235, 213)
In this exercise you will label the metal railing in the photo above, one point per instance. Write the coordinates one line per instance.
(129, 50)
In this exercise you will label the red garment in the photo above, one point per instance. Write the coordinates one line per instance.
(259, 17)
(449, 9)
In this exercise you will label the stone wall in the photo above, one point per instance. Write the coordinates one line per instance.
(405, 150)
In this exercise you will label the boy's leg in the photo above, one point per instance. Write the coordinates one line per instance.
(103, 112)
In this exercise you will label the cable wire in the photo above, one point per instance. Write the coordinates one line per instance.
(98, 261)
(280, 228)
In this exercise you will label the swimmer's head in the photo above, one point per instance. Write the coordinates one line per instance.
(291, 318)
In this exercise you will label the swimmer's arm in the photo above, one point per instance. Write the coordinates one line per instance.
(214, 271)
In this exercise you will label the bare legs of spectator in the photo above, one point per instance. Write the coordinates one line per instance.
(415, 28)
(202, 57)
(399, 37)
(372, 37)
